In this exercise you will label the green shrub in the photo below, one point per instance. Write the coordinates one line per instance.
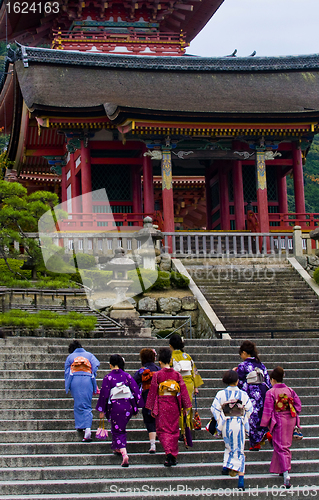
(83, 261)
(179, 280)
(87, 282)
(99, 278)
(163, 281)
(316, 275)
(15, 265)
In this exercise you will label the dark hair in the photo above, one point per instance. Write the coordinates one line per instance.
(250, 348)
(230, 377)
(277, 374)
(75, 344)
(165, 355)
(147, 355)
(117, 360)
(176, 342)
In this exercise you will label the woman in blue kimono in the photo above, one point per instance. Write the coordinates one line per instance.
(231, 409)
(120, 398)
(253, 379)
(80, 378)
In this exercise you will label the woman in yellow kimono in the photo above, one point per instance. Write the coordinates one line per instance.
(183, 363)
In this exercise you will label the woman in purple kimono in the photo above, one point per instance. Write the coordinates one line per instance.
(167, 399)
(120, 398)
(281, 414)
(254, 380)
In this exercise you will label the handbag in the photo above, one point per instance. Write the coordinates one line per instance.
(187, 435)
(211, 426)
(197, 423)
(297, 434)
(101, 432)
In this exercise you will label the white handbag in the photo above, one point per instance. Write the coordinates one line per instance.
(184, 367)
(120, 391)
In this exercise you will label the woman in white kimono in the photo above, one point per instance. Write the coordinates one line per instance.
(231, 409)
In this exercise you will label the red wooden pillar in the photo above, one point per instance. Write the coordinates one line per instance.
(298, 181)
(238, 195)
(282, 194)
(148, 188)
(167, 191)
(137, 190)
(208, 175)
(86, 180)
(63, 185)
(224, 197)
(75, 186)
(262, 200)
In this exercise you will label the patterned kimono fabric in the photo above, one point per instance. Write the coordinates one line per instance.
(281, 425)
(149, 421)
(82, 385)
(232, 428)
(256, 393)
(192, 381)
(167, 409)
(118, 411)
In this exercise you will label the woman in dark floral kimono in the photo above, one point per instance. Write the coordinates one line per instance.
(255, 385)
(120, 398)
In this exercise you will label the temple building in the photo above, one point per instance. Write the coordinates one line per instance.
(102, 95)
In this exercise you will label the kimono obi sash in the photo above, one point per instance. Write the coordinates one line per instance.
(168, 388)
(255, 377)
(233, 408)
(120, 391)
(285, 403)
(184, 367)
(81, 364)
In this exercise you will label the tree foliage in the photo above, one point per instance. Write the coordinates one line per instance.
(19, 215)
(311, 181)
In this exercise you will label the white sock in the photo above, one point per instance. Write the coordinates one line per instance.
(87, 434)
(152, 441)
(286, 476)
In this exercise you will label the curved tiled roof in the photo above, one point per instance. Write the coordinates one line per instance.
(177, 63)
(201, 88)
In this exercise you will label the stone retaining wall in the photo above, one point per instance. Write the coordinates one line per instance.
(174, 306)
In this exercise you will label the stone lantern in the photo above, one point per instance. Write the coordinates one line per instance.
(122, 310)
(148, 236)
(120, 265)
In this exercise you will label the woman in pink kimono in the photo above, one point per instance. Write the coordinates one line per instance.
(281, 414)
(167, 398)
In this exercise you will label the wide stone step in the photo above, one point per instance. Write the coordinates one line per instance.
(214, 457)
(58, 375)
(69, 447)
(113, 471)
(26, 389)
(170, 479)
(71, 436)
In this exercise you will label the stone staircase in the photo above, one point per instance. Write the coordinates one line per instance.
(42, 458)
(259, 294)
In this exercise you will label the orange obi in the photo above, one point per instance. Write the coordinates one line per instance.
(168, 388)
(285, 403)
(81, 364)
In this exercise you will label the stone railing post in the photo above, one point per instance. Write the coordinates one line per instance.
(297, 241)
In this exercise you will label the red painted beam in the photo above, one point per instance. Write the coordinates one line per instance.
(53, 151)
(116, 145)
(116, 161)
